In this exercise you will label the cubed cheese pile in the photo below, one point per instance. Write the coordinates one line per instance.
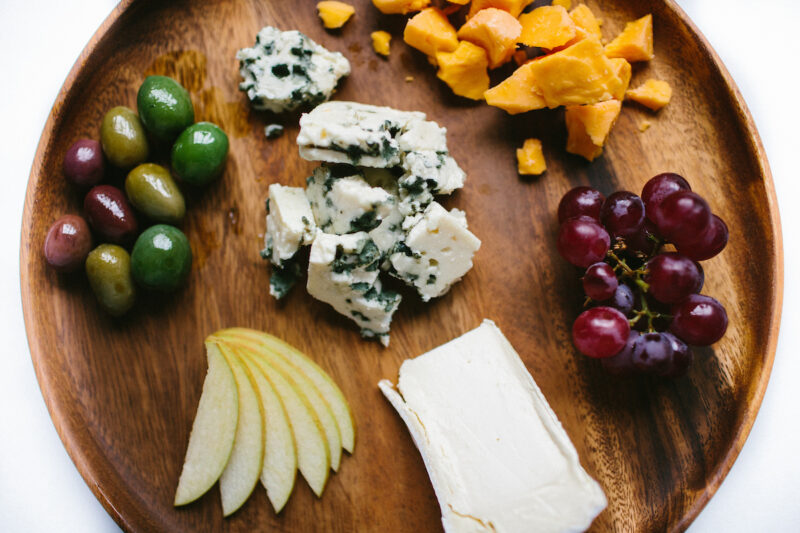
(369, 210)
(570, 66)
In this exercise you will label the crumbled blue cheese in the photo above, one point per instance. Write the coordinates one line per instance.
(343, 272)
(286, 70)
(344, 202)
(290, 223)
(436, 252)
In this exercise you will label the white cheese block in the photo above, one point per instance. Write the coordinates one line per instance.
(343, 272)
(286, 70)
(498, 458)
(436, 253)
(290, 223)
(346, 203)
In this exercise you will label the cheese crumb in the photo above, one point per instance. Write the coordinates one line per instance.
(654, 94)
(530, 159)
(334, 14)
(409, 79)
(380, 42)
(644, 125)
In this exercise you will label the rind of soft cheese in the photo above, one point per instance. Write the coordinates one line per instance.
(436, 253)
(290, 223)
(344, 202)
(343, 272)
(498, 458)
(357, 134)
(286, 69)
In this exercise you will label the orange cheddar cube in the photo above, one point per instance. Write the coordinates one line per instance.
(623, 71)
(566, 4)
(588, 127)
(430, 31)
(530, 159)
(580, 74)
(400, 7)
(458, 2)
(334, 14)
(380, 42)
(547, 27)
(494, 30)
(583, 18)
(517, 93)
(514, 7)
(654, 94)
(635, 43)
(465, 70)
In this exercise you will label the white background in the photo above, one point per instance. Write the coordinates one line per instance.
(40, 488)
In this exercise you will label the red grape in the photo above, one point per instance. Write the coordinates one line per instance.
(622, 213)
(600, 282)
(582, 241)
(652, 353)
(622, 299)
(659, 187)
(682, 218)
(712, 243)
(643, 240)
(681, 357)
(621, 364)
(600, 332)
(672, 277)
(580, 201)
(699, 320)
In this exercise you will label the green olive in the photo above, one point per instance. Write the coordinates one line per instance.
(108, 268)
(161, 258)
(199, 153)
(123, 138)
(151, 190)
(164, 107)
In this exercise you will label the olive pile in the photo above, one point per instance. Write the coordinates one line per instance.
(160, 258)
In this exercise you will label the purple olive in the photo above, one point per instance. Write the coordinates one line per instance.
(67, 244)
(83, 163)
(110, 214)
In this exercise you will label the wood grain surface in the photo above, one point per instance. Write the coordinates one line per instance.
(123, 393)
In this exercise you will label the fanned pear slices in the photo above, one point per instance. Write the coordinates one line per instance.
(266, 411)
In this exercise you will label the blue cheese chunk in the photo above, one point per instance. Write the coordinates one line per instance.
(286, 70)
(343, 272)
(344, 202)
(358, 134)
(427, 173)
(436, 252)
(290, 223)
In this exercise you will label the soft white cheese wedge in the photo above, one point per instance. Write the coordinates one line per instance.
(290, 223)
(437, 251)
(343, 272)
(497, 456)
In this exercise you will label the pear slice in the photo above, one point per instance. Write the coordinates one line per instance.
(213, 430)
(313, 452)
(280, 454)
(326, 386)
(247, 456)
(301, 382)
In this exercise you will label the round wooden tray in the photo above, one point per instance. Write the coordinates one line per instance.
(123, 393)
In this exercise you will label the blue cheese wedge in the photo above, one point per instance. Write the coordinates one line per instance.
(286, 70)
(290, 224)
(343, 272)
(497, 456)
(344, 202)
(436, 253)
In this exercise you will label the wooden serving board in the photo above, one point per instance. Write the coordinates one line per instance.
(123, 393)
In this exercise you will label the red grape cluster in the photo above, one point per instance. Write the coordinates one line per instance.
(645, 306)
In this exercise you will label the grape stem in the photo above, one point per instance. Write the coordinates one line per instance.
(640, 285)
